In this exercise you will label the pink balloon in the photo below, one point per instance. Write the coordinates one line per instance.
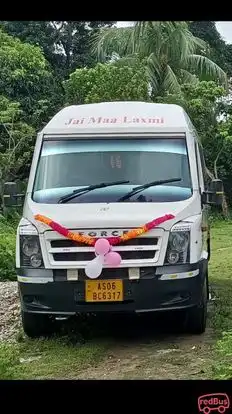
(102, 246)
(113, 259)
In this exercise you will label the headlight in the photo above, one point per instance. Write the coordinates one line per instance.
(30, 251)
(178, 247)
(173, 257)
(30, 245)
(36, 260)
(179, 240)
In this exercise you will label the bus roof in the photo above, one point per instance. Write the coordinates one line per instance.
(118, 117)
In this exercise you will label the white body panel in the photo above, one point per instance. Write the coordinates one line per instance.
(117, 117)
(130, 119)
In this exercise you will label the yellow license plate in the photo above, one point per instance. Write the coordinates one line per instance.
(104, 291)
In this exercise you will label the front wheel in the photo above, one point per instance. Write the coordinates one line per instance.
(36, 325)
(196, 316)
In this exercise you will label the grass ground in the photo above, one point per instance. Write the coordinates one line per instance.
(55, 358)
(71, 356)
(221, 281)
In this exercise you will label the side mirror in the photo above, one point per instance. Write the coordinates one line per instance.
(214, 195)
(11, 197)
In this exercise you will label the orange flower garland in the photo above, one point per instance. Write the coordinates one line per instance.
(79, 238)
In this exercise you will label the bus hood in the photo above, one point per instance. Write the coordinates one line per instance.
(113, 215)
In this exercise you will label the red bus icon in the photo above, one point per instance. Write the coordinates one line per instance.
(213, 402)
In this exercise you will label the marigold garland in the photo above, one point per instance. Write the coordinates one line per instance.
(79, 238)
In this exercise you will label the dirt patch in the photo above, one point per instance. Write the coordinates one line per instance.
(9, 311)
(153, 348)
(166, 357)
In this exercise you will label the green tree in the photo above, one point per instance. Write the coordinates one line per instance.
(16, 142)
(203, 103)
(223, 153)
(66, 44)
(174, 56)
(107, 82)
(228, 59)
(25, 75)
(219, 51)
(25, 78)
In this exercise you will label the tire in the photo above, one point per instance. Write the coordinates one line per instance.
(36, 325)
(196, 316)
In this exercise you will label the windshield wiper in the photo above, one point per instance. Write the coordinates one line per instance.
(139, 188)
(80, 191)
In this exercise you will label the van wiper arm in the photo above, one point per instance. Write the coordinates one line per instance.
(80, 191)
(139, 188)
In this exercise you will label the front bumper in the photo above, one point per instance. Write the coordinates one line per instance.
(153, 291)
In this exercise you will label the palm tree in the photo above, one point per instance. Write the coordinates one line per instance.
(172, 54)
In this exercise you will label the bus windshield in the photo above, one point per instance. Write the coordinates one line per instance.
(69, 164)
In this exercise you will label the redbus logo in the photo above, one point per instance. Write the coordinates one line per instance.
(213, 402)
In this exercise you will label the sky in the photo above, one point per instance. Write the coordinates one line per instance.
(224, 28)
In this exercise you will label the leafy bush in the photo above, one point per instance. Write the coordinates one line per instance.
(24, 73)
(7, 249)
(107, 82)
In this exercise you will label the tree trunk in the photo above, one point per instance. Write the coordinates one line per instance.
(225, 208)
(2, 205)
